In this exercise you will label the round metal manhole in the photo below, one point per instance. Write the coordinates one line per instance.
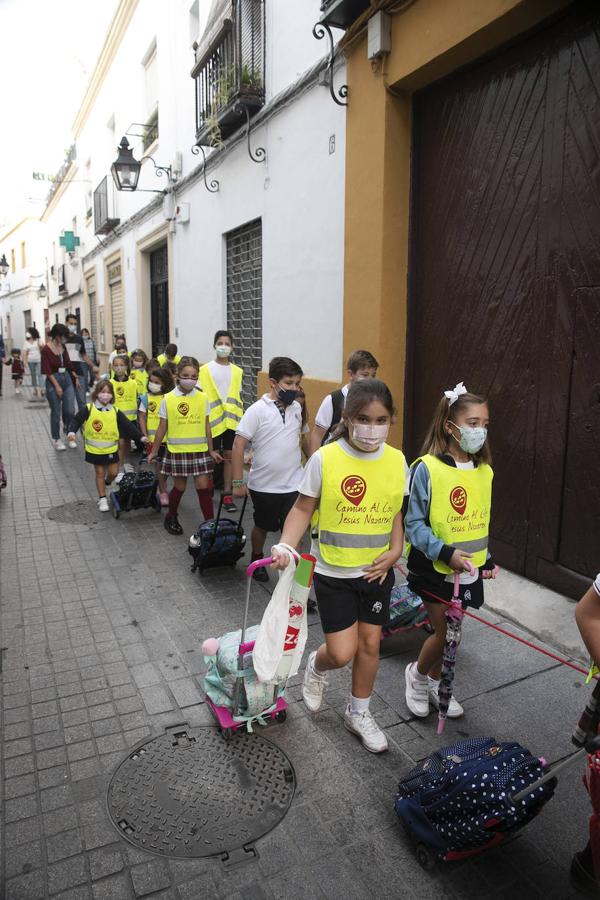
(79, 512)
(189, 793)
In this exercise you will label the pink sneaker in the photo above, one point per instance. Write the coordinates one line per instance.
(164, 498)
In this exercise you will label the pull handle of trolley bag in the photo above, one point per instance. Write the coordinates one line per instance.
(591, 747)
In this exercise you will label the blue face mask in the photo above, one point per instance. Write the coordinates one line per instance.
(471, 439)
(287, 395)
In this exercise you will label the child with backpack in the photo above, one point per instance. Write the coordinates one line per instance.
(361, 364)
(447, 524)
(273, 424)
(160, 383)
(183, 420)
(104, 427)
(358, 484)
(125, 393)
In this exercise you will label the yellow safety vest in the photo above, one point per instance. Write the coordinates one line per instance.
(459, 512)
(186, 422)
(163, 359)
(223, 415)
(140, 376)
(126, 397)
(100, 430)
(152, 417)
(359, 500)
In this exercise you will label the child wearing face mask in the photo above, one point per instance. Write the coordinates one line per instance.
(361, 364)
(447, 524)
(273, 425)
(119, 350)
(221, 381)
(183, 421)
(160, 382)
(104, 427)
(139, 361)
(125, 391)
(358, 484)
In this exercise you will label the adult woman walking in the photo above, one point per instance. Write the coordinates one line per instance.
(33, 358)
(61, 382)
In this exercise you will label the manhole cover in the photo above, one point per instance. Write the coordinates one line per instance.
(79, 512)
(188, 793)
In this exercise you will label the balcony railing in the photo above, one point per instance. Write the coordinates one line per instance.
(342, 13)
(230, 72)
(104, 219)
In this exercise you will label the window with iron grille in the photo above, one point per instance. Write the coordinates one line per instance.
(244, 301)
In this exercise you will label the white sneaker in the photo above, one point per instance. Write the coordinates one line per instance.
(455, 710)
(17, 390)
(417, 693)
(103, 504)
(364, 725)
(314, 685)
(127, 467)
(58, 445)
(72, 444)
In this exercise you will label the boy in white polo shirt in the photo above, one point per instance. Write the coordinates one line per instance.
(273, 424)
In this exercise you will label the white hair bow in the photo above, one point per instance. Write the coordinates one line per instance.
(454, 394)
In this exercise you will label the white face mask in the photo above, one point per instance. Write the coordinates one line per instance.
(187, 384)
(223, 350)
(72, 328)
(154, 388)
(138, 365)
(369, 437)
(104, 399)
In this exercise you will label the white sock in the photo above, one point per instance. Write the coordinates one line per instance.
(416, 674)
(313, 666)
(359, 704)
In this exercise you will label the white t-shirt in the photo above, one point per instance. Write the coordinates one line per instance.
(311, 487)
(324, 416)
(32, 349)
(276, 461)
(221, 376)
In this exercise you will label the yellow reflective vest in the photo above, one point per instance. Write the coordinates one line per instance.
(140, 376)
(163, 359)
(460, 506)
(223, 415)
(186, 422)
(359, 500)
(126, 397)
(152, 418)
(100, 430)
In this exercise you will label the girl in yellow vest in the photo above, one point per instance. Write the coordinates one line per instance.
(125, 391)
(447, 523)
(160, 382)
(357, 483)
(103, 426)
(221, 381)
(139, 361)
(183, 420)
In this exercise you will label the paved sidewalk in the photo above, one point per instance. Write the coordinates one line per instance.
(100, 630)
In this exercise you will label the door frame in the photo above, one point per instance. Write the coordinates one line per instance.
(144, 247)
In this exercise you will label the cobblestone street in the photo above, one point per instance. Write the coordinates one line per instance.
(100, 633)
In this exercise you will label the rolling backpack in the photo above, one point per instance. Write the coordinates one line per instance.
(218, 542)
(457, 802)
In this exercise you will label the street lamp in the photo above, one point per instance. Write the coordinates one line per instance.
(42, 292)
(126, 170)
(3, 266)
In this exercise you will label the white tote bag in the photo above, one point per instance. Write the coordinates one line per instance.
(269, 647)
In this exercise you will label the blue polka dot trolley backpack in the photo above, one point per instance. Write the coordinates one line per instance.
(471, 796)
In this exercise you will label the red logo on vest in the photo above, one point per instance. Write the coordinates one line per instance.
(354, 489)
(291, 638)
(120, 391)
(183, 408)
(97, 425)
(458, 500)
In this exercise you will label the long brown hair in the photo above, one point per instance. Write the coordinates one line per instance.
(360, 394)
(103, 384)
(437, 439)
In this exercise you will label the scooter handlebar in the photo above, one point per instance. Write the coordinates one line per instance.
(258, 564)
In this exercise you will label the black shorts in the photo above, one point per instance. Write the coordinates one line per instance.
(270, 510)
(344, 601)
(224, 441)
(471, 595)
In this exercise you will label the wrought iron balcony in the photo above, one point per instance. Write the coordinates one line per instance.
(104, 219)
(342, 13)
(229, 73)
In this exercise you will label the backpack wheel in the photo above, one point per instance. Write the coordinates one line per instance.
(281, 715)
(424, 857)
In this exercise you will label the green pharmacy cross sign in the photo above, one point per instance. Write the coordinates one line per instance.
(69, 241)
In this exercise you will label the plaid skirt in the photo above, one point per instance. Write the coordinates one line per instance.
(186, 464)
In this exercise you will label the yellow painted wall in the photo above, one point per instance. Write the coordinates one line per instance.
(429, 40)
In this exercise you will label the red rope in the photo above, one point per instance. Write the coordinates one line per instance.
(560, 659)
